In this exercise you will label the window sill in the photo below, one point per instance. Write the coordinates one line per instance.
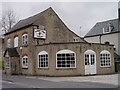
(16, 47)
(7, 67)
(24, 45)
(24, 67)
(105, 66)
(44, 68)
(65, 68)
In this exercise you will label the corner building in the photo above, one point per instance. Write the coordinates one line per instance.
(43, 45)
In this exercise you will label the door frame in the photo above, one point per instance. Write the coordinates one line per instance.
(88, 67)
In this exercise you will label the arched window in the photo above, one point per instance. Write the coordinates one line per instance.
(25, 61)
(24, 39)
(65, 59)
(16, 41)
(105, 58)
(9, 43)
(43, 59)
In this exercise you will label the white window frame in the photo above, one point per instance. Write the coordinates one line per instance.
(105, 31)
(76, 39)
(16, 41)
(90, 52)
(25, 39)
(45, 61)
(108, 29)
(105, 52)
(9, 43)
(65, 51)
(7, 62)
(25, 59)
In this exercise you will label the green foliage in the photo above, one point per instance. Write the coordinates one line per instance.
(1, 64)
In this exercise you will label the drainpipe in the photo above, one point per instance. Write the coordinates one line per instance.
(20, 67)
(100, 38)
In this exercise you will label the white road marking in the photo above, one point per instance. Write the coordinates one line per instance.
(8, 82)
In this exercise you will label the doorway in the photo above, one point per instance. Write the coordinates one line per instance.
(90, 62)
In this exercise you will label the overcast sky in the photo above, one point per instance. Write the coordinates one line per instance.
(80, 17)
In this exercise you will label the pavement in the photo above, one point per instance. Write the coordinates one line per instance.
(97, 81)
(105, 79)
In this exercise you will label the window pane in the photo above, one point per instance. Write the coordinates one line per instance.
(86, 59)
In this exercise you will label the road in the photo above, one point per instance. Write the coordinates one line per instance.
(47, 84)
(28, 82)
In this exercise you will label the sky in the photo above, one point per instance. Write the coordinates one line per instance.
(79, 17)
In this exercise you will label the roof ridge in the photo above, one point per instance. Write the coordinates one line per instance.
(107, 20)
(37, 14)
(28, 18)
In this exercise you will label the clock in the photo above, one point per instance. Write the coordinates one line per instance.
(38, 33)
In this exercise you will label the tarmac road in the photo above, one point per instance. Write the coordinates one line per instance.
(25, 82)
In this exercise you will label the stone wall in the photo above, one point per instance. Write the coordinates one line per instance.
(79, 49)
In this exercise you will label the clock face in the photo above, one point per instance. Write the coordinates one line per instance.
(38, 33)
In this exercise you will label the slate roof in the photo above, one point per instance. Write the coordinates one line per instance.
(12, 52)
(98, 28)
(27, 22)
(37, 19)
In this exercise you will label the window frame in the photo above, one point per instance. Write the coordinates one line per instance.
(76, 39)
(66, 51)
(24, 39)
(38, 60)
(9, 42)
(89, 53)
(105, 52)
(106, 30)
(26, 64)
(16, 41)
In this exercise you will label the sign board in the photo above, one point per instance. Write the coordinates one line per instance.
(38, 33)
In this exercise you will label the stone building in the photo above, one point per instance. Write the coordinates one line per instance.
(43, 45)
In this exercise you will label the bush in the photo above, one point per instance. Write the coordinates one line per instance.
(1, 65)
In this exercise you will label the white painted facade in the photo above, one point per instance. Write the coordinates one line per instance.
(112, 38)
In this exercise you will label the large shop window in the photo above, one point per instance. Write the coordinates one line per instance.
(24, 39)
(25, 62)
(105, 58)
(43, 59)
(9, 43)
(16, 41)
(65, 59)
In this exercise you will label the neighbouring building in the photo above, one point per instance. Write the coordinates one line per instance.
(106, 32)
(43, 45)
